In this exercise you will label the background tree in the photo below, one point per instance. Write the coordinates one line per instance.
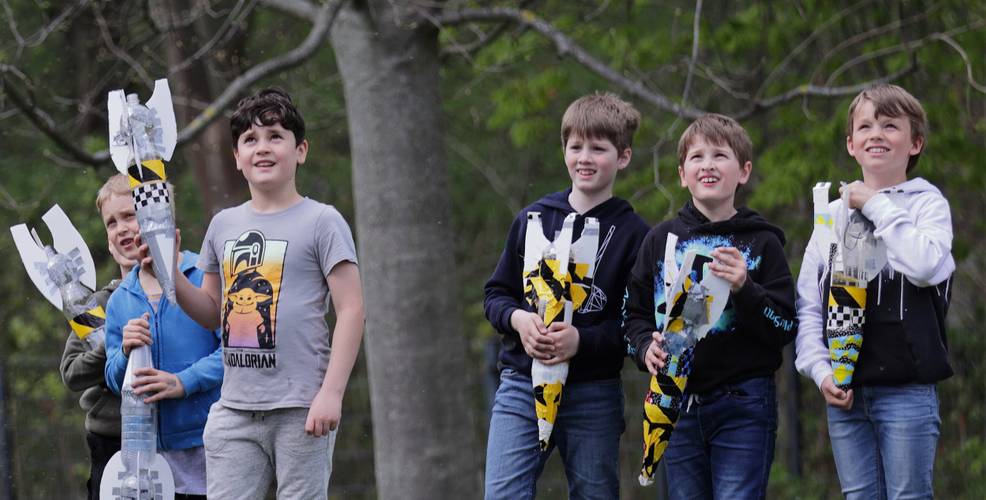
(451, 119)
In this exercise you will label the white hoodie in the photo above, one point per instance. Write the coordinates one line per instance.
(915, 224)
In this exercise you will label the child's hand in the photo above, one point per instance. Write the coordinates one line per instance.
(655, 357)
(834, 396)
(158, 383)
(533, 334)
(730, 265)
(146, 260)
(136, 333)
(324, 414)
(566, 339)
(859, 194)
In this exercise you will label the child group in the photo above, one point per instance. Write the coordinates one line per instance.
(242, 406)
(884, 427)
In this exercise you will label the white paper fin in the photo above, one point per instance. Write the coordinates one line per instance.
(534, 242)
(160, 102)
(114, 470)
(67, 239)
(584, 250)
(121, 153)
(670, 264)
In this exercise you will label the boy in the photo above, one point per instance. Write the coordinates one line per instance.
(596, 135)
(83, 369)
(885, 428)
(723, 444)
(188, 365)
(269, 265)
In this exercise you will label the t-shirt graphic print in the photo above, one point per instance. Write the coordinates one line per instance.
(252, 270)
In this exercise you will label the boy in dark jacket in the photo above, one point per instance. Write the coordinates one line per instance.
(723, 444)
(597, 131)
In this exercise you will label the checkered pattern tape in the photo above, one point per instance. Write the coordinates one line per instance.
(844, 317)
(150, 193)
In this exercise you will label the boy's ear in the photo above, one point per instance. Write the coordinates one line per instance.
(624, 158)
(302, 151)
(745, 171)
(681, 176)
(236, 157)
(917, 145)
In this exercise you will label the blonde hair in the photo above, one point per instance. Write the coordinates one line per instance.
(893, 101)
(119, 184)
(601, 116)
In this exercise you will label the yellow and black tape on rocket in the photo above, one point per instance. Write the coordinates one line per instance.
(844, 330)
(547, 398)
(85, 323)
(543, 283)
(148, 171)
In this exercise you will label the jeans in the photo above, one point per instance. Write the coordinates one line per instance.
(884, 446)
(586, 432)
(723, 444)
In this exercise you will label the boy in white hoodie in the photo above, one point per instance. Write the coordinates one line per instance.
(885, 427)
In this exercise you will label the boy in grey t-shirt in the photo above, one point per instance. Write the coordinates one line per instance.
(270, 264)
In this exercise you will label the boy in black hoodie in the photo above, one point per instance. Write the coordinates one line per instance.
(724, 441)
(596, 134)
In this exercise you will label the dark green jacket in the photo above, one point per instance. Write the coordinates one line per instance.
(82, 370)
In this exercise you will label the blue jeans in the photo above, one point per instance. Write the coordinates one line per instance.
(884, 446)
(723, 444)
(586, 433)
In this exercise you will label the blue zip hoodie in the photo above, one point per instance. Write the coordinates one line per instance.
(601, 345)
(180, 346)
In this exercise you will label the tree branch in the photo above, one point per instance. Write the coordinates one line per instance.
(566, 47)
(320, 29)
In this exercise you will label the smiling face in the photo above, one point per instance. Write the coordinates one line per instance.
(120, 221)
(712, 173)
(269, 156)
(593, 164)
(882, 145)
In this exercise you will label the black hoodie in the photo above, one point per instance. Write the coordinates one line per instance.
(759, 319)
(601, 347)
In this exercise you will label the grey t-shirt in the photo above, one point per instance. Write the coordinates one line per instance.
(273, 270)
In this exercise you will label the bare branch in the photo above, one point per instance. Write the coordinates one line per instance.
(35, 116)
(965, 58)
(320, 29)
(298, 8)
(117, 51)
(696, 31)
(226, 30)
(566, 47)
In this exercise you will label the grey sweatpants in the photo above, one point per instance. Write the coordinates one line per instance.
(245, 450)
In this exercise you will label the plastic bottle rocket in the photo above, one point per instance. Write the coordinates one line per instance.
(855, 256)
(137, 471)
(64, 273)
(142, 138)
(557, 281)
(693, 301)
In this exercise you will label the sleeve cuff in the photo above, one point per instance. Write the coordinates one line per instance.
(819, 372)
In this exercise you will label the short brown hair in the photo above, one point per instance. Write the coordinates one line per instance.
(893, 101)
(119, 184)
(601, 116)
(719, 130)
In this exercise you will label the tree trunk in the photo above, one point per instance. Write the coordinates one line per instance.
(424, 439)
(210, 154)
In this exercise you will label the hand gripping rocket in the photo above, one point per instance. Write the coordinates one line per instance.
(557, 280)
(64, 273)
(141, 139)
(855, 256)
(693, 301)
(137, 471)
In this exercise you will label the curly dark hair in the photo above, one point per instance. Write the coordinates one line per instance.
(268, 107)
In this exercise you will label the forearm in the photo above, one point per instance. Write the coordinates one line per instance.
(197, 303)
(812, 356)
(81, 368)
(346, 338)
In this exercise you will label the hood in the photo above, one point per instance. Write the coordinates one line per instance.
(744, 221)
(609, 209)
